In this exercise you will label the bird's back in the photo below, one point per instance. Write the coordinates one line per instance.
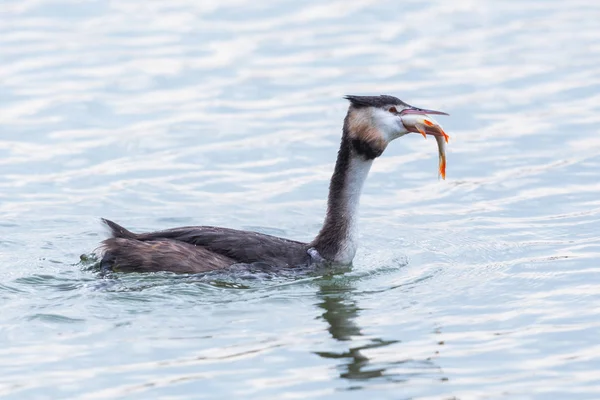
(195, 249)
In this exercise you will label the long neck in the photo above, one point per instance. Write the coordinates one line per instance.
(338, 239)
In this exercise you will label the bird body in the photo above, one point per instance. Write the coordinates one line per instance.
(194, 249)
(371, 123)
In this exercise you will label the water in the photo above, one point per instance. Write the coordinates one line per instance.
(160, 114)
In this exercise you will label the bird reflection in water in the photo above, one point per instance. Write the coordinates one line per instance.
(340, 312)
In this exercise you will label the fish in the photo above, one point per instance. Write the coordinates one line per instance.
(425, 125)
(441, 142)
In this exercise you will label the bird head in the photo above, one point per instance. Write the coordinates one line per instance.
(373, 122)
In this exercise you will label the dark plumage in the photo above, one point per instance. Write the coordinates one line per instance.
(195, 249)
(366, 149)
(382, 101)
(374, 101)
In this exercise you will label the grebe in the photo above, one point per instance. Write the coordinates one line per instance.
(371, 123)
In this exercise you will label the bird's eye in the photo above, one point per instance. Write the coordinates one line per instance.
(393, 110)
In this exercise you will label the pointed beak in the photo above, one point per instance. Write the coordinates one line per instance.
(415, 110)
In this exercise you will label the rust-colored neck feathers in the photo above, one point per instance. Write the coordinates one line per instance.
(361, 130)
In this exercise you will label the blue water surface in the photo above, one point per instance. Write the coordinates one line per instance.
(165, 113)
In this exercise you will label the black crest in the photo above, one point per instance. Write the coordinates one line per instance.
(374, 101)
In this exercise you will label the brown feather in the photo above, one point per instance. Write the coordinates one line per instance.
(361, 127)
(128, 255)
(197, 249)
